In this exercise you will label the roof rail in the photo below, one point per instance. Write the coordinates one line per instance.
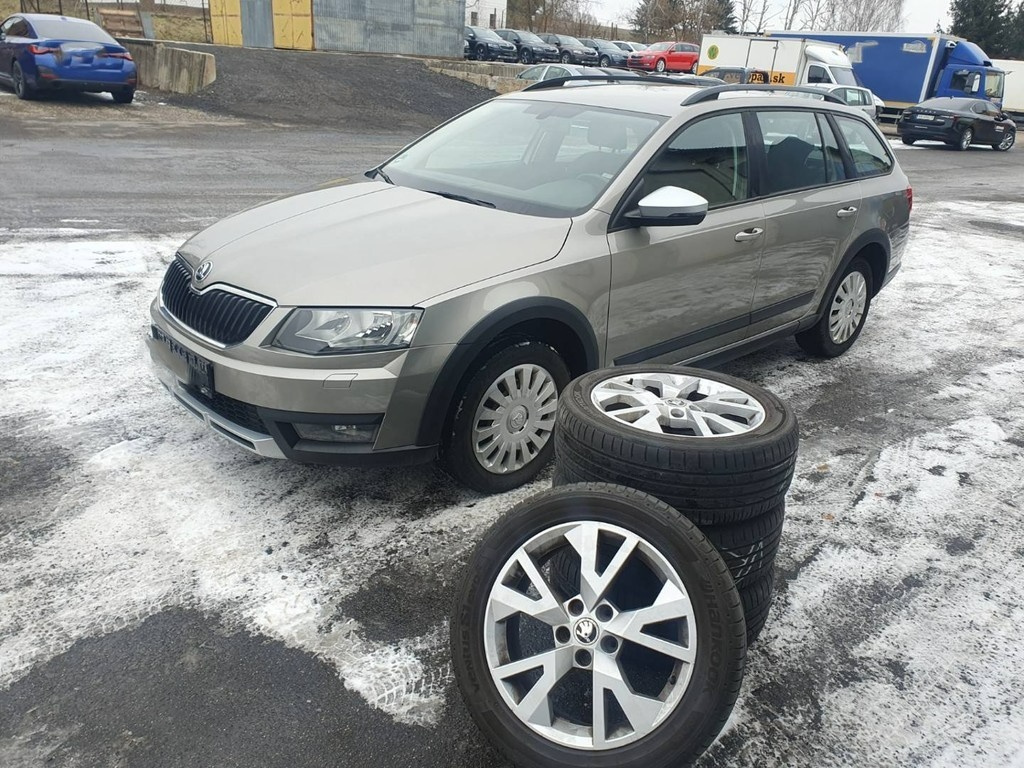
(712, 93)
(558, 82)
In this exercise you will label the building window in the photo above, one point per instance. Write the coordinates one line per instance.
(472, 18)
(494, 20)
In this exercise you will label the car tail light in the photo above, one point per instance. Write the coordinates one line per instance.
(910, 199)
(38, 50)
(126, 56)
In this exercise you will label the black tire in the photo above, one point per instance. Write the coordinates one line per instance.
(693, 69)
(818, 340)
(966, 139)
(908, 141)
(716, 481)
(757, 604)
(604, 61)
(481, 52)
(124, 96)
(1007, 143)
(22, 89)
(457, 452)
(749, 548)
(525, 56)
(567, 58)
(720, 631)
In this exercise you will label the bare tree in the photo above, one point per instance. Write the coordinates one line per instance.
(793, 8)
(854, 15)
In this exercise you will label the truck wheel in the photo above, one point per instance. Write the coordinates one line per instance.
(717, 448)
(966, 138)
(638, 665)
(845, 314)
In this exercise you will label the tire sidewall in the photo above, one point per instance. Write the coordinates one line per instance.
(684, 731)
(831, 348)
(458, 450)
(965, 139)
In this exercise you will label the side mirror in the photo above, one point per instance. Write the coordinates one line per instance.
(669, 207)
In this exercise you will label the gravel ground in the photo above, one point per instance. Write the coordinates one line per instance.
(331, 90)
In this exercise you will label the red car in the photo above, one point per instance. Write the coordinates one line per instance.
(666, 57)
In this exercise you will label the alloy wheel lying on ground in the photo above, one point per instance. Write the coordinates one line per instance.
(637, 663)
(719, 449)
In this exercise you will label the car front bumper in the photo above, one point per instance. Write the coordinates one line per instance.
(263, 407)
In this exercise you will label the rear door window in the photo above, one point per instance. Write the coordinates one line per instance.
(871, 157)
(795, 156)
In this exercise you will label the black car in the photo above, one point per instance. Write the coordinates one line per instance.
(529, 47)
(571, 50)
(959, 122)
(608, 54)
(485, 45)
(740, 75)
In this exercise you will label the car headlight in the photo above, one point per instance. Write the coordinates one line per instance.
(340, 331)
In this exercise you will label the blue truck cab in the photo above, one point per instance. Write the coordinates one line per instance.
(904, 70)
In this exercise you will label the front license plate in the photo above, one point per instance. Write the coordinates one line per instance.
(200, 371)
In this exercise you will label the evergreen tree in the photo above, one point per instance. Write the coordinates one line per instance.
(986, 23)
(722, 15)
(1015, 34)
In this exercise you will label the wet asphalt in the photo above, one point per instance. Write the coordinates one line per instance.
(180, 688)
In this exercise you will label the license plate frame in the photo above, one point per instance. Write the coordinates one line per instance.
(200, 370)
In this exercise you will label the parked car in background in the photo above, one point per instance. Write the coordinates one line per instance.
(485, 45)
(739, 75)
(666, 57)
(608, 54)
(540, 72)
(959, 123)
(625, 223)
(853, 95)
(629, 47)
(571, 50)
(41, 52)
(529, 47)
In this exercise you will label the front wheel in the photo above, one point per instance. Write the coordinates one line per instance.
(908, 141)
(636, 663)
(566, 58)
(660, 66)
(124, 96)
(500, 436)
(1006, 143)
(966, 139)
(21, 88)
(481, 52)
(693, 69)
(605, 61)
(525, 57)
(844, 315)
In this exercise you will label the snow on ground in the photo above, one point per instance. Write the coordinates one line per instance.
(895, 632)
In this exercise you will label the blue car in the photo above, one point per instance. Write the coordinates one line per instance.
(42, 52)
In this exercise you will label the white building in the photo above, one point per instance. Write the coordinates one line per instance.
(486, 13)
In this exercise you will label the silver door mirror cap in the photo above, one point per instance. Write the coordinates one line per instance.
(667, 202)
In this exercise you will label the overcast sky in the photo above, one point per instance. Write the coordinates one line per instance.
(920, 15)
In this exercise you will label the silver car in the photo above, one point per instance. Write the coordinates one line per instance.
(439, 308)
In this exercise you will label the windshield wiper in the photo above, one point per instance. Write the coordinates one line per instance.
(375, 172)
(460, 198)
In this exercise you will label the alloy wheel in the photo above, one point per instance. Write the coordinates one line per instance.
(579, 669)
(966, 138)
(515, 419)
(847, 310)
(673, 404)
(19, 80)
(1007, 141)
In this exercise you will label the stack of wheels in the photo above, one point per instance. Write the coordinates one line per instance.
(720, 450)
(634, 662)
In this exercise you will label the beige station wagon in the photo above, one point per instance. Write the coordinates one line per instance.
(438, 309)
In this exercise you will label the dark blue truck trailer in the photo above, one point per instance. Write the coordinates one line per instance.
(904, 70)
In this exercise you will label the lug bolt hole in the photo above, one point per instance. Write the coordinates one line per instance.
(609, 644)
(604, 612)
(563, 635)
(583, 658)
(576, 606)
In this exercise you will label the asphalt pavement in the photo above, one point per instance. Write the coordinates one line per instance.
(166, 599)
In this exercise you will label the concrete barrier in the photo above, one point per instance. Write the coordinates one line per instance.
(165, 68)
(497, 77)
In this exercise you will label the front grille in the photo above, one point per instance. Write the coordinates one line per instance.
(227, 318)
(235, 411)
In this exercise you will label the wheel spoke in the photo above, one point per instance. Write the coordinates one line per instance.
(506, 601)
(722, 426)
(641, 711)
(535, 706)
(584, 539)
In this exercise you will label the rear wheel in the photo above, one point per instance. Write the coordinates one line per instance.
(124, 96)
(1006, 143)
(21, 88)
(844, 315)
(909, 141)
(500, 436)
(966, 139)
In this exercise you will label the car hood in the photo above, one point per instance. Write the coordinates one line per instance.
(369, 244)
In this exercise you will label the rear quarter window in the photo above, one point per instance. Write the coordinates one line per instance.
(870, 155)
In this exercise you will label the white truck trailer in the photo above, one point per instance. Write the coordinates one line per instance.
(788, 61)
(1013, 90)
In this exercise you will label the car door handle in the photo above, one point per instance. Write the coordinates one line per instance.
(845, 213)
(749, 234)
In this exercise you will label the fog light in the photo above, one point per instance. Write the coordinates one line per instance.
(337, 433)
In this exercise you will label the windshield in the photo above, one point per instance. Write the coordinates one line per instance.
(486, 34)
(994, 84)
(660, 46)
(529, 37)
(844, 76)
(604, 45)
(537, 158)
(79, 31)
(570, 41)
